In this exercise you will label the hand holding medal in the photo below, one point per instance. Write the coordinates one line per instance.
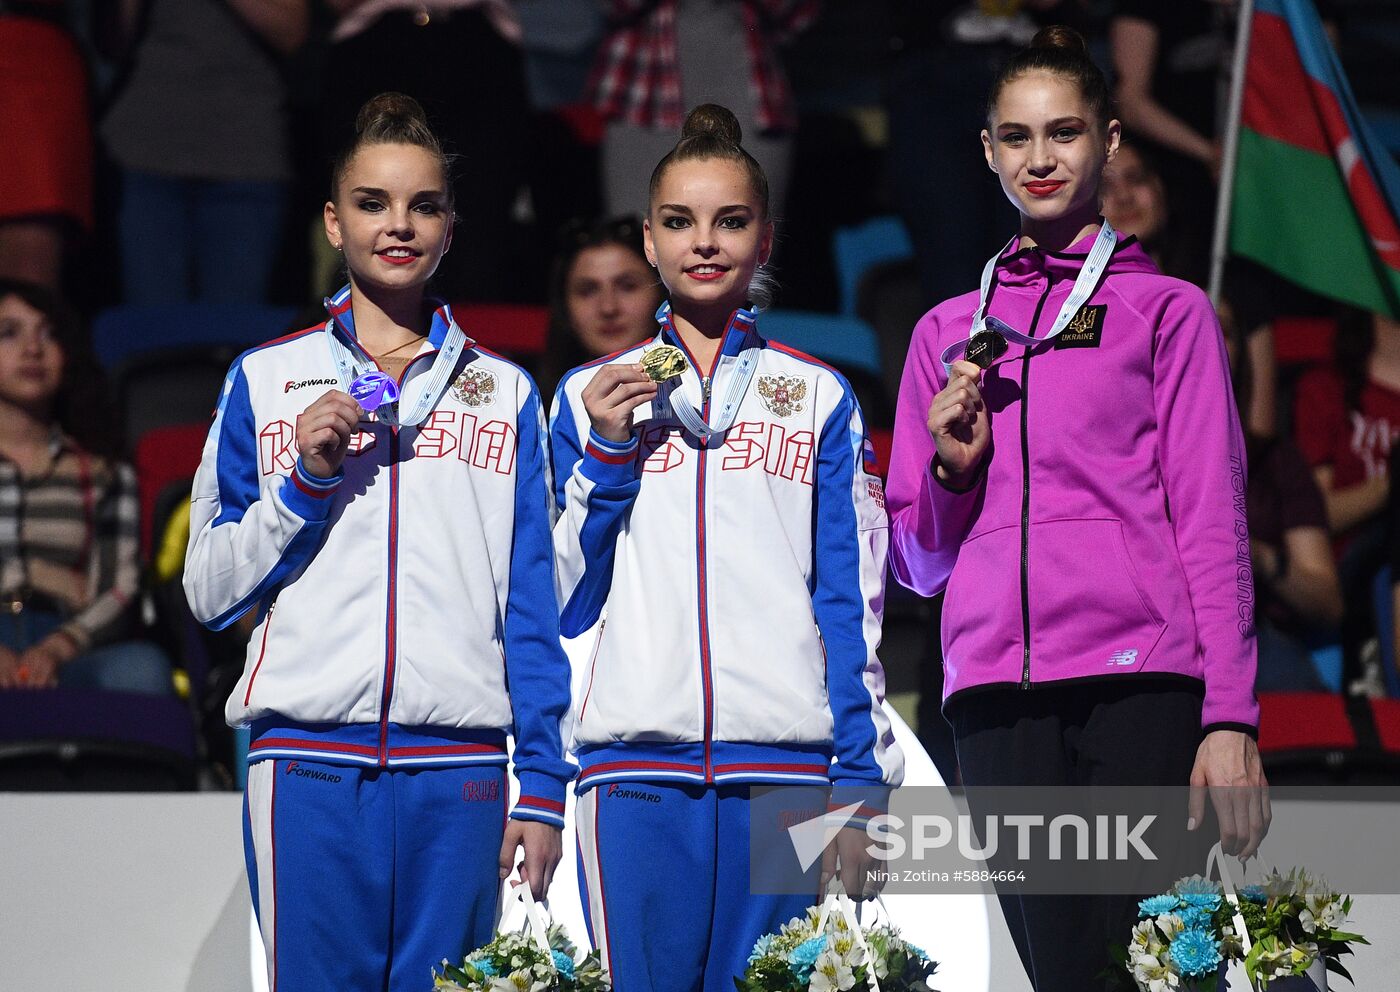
(324, 430)
(614, 393)
(959, 424)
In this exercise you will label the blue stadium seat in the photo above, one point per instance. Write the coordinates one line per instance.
(847, 342)
(859, 249)
(120, 334)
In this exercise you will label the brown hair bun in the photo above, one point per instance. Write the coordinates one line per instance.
(713, 121)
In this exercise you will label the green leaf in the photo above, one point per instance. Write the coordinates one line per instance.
(1334, 965)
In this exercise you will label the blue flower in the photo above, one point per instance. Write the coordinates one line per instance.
(483, 965)
(916, 950)
(1156, 906)
(805, 954)
(1195, 917)
(563, 963)
(1196, 953)
(1201, 900)
(1255, 894)
(761, 947)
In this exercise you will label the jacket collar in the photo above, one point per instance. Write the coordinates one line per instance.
(1030, 266)
(742, 325)
(338, 309)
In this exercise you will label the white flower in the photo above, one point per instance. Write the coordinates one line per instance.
(1334, 917)
(502, 983)
(1170, 924)
(1154, 975)
(1145, 939)
(1307, 922)
(831, 974)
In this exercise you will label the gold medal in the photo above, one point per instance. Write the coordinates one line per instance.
(663, 362)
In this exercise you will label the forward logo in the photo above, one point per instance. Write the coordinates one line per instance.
(301, 771)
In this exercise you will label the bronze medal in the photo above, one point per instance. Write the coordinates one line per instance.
(663, 362)
(985, 348)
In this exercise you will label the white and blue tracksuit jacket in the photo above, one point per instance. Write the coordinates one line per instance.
(405, 607)
(740, 586)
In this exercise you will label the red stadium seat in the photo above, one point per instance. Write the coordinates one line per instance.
(514, 330)
(164, 455)
(1291, 722)
(1386, 714)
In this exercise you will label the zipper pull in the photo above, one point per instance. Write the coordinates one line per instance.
(705, 387)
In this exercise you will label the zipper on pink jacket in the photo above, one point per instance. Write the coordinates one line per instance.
(1026, 499)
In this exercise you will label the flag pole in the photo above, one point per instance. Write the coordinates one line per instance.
(1220, 243)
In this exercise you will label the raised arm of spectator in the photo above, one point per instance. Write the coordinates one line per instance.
(1134, 43)
(280, 23)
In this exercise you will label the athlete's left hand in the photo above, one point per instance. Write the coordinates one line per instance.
(848, 857)
(1228, 765)
(544, 846)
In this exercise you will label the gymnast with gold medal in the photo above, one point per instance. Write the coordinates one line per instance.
(721, 540)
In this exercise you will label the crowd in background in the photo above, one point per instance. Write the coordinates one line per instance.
(173, 152)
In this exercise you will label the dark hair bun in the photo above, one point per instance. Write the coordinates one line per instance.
(712, 120)
(393, 117)
(1063, 38)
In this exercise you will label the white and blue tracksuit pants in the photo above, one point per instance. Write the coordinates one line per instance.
(664, 877)
(367, 878)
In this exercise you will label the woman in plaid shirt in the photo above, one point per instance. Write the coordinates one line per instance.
(68, 517)
(661, 56)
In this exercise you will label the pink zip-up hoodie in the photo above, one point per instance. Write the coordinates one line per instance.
(1105, 536)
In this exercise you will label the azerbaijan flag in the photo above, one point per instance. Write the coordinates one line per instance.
(1316, 195)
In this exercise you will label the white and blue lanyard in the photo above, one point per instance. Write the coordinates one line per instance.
(428, 387)
(1084, 286)
(722, 417)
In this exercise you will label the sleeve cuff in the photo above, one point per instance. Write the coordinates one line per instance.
(1243, 728)
(873, 800)
(541, 799)
(608, 463)
(977, 477)
(307, 495)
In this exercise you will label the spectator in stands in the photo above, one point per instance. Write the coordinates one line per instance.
(200, 131)
(46, 181)
(68, 514)
(1297, 593)
(1346, 419)
(1166, 59)
(603, 296)
(462, 61)
(1135, 201)
(661, 56)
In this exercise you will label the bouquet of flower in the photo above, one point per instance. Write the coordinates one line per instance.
(1188, 932)
(1294, 920)
(515, 962)
(830, 956)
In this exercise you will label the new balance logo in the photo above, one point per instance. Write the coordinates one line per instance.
(301, 771)
(1127, 657)
(616, 791)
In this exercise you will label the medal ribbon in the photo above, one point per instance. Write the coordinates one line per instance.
(744, 370)
(1084, 286)
(350, 365)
